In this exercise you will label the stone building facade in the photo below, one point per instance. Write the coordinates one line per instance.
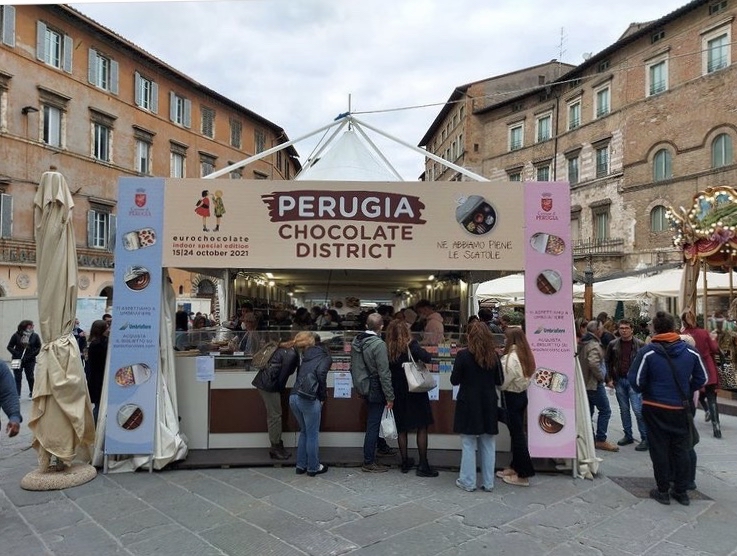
(77, 97)
(639, 127)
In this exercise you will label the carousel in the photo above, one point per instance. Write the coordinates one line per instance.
(706, 233)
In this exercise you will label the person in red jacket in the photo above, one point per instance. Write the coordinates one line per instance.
(708, 349)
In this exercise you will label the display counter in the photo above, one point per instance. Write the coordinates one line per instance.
(228, 412)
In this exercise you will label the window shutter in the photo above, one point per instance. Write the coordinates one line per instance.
(92, 66)
(187, 113)
(172, 106)
(112, 230)
(90, 228)
(137, 87)
(68, 46)
(154, 97)
(9, 25)
(6, 215)
(114, 77)
(40, 41)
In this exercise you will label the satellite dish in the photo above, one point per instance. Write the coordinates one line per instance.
(586, 55)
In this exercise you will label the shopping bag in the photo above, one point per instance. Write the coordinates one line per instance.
(388, 428)
(419, 379)
(15, 363)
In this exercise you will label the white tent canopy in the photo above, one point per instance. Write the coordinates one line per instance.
(667, 283)
(348, 159)
(663, 284)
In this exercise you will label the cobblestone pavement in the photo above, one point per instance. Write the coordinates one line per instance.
(261, 511)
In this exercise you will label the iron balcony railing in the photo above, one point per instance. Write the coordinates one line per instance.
(613, 246)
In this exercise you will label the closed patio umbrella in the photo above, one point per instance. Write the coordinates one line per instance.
(61, 414)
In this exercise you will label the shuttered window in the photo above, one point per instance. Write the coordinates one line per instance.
(6, 215)
(7, 18)
(54, 47)
(102, 71)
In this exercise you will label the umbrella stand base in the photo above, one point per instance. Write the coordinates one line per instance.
(75, 475)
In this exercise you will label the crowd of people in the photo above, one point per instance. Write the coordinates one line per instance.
(655, 379)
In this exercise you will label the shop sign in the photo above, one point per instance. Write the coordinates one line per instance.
(355, 225)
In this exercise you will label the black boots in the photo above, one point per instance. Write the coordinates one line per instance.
(407, 464)
(424, 470)
(277, 451)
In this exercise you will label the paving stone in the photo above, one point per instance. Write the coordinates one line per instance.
(136, 526)
(85, 538)
(425, 540)
(175, 543)
(565, 519)
(492, 513)
(297, 531)
(191, 511)
(386, 524)
(241, 539)
(714, 530)
(56, 514)
(640, 527)
(666, 548)
(502, 543)
(255, 484)
(101, 484)
(305, 506)
(588, 547)
(219, 493)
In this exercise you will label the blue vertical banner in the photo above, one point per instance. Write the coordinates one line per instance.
(134, 333)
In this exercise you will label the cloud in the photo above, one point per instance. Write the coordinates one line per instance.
(297, 62)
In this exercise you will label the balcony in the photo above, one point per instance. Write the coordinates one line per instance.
(595, 247)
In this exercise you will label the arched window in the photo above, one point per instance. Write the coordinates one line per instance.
(662, 167)
(721, 151)
(658, 221)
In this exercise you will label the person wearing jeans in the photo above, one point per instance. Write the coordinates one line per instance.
(591, 359)
(477, 372)
(308, 394)
(307, 412)
(486, 445)
(373, 379)
(620, 353)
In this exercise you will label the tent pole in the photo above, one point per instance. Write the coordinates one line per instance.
(266, 153)
(425, 153)
(706, 295)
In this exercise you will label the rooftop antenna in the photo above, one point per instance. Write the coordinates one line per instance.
(561, 49)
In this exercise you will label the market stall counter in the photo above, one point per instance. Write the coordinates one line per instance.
(227, 411)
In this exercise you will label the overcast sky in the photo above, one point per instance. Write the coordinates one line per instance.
(296, 62)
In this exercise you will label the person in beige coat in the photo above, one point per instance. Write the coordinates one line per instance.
(518, 364)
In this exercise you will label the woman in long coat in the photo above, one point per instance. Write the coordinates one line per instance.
(411, 409)
(477, 371)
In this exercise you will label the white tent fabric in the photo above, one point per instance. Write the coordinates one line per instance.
(169, 444)
(663, 284)
(348, 159)
(511, 288)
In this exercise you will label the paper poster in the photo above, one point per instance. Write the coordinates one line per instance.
(205, 368)
(434, 394)
(342, 384)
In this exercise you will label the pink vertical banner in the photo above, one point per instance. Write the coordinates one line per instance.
(551, 422)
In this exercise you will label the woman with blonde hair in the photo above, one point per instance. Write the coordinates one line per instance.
(518, 364)
(308, 394)
(477, 371)
(411, 409)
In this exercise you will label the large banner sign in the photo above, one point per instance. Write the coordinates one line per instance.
(551, 412)
(352, 225)
(134, 332)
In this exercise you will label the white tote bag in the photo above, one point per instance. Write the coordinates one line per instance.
(419, 379)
